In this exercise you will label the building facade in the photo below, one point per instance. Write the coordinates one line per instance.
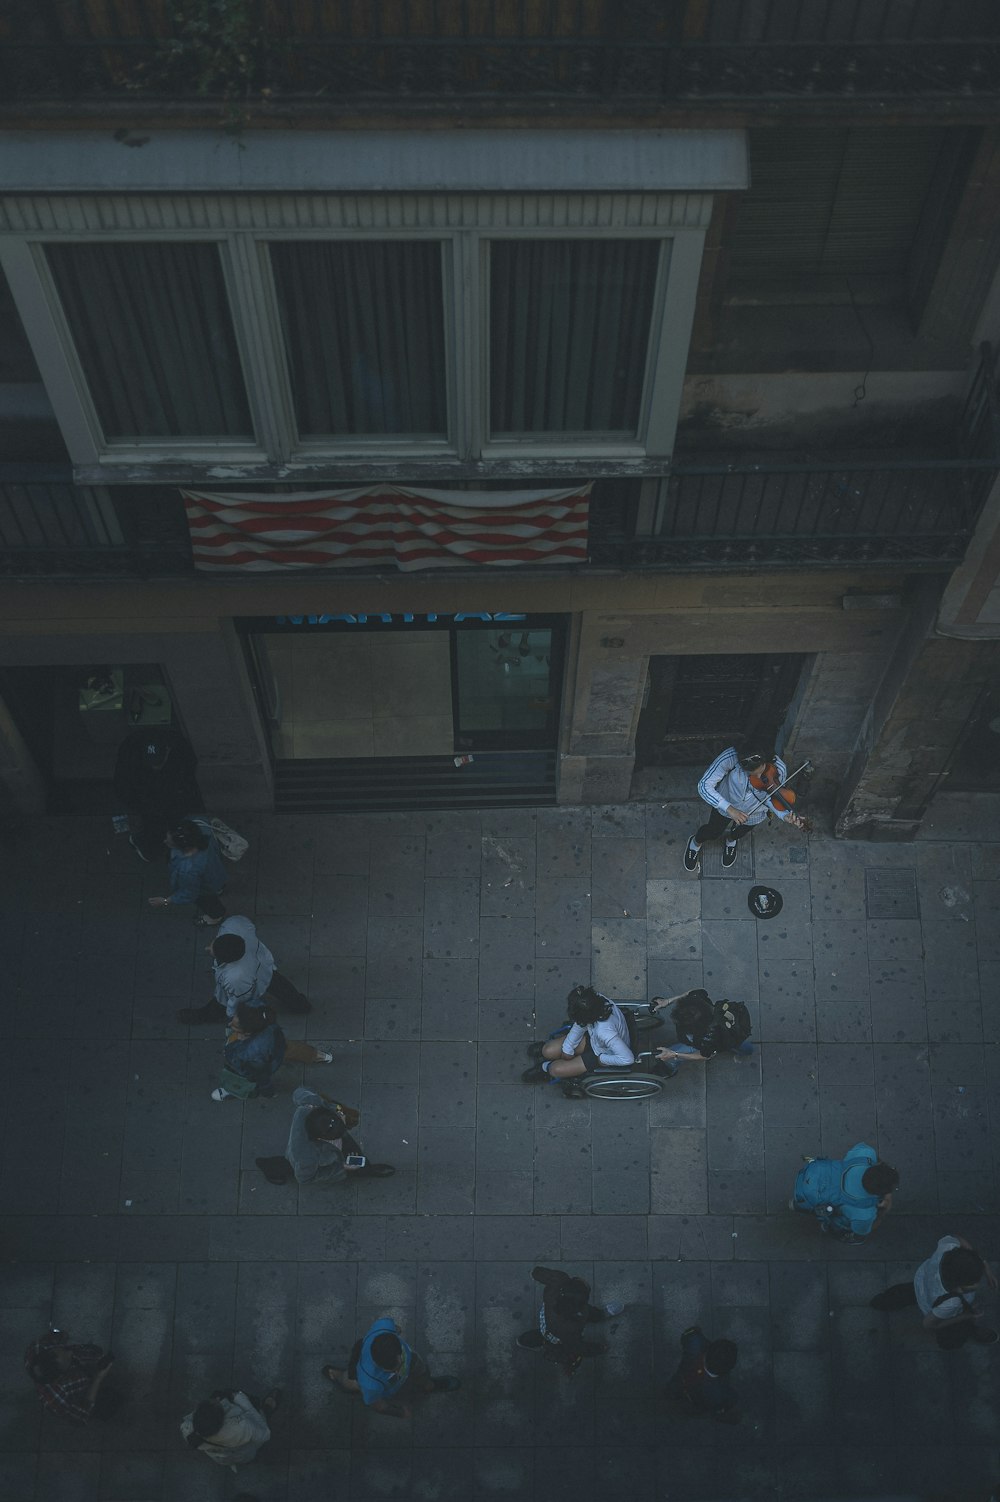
(686, 314)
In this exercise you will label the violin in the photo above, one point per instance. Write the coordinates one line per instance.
(777, 794)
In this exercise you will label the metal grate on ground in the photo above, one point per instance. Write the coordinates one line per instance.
(742, 870)
(891, 893)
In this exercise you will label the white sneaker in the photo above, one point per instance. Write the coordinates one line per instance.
(221, 1094)
(323, 1058)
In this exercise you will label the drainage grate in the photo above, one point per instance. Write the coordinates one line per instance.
(891, 893)
(711, 860)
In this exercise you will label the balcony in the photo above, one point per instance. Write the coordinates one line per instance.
(452, 55)
(827, 511)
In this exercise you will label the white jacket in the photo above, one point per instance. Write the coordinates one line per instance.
(608, 1039)
(241, 1435)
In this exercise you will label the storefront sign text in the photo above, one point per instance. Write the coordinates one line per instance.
(406, 618)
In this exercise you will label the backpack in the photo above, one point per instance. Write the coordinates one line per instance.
(731, 1025)
(232, 845)
(821, 1185)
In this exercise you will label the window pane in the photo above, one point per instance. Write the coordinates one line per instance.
(153, 332)
(569, 331)
(364, 333)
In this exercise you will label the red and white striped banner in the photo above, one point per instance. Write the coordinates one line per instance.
(386, 524)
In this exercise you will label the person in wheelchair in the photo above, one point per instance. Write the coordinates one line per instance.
(599, 1037)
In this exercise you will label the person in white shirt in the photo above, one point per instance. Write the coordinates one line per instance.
(597, 1038)
(737, 806)
(243, 970)
(944, 1290)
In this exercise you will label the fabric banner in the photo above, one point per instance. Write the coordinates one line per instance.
(386, 525)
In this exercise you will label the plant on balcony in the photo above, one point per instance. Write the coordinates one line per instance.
(217, 50)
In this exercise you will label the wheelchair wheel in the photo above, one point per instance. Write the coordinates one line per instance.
(621, 1086)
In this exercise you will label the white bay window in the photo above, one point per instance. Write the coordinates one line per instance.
(269, 332)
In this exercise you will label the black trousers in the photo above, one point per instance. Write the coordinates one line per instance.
(284, 994)
(903, 1295)
(716, 826)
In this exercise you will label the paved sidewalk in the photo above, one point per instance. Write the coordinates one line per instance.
(434, 948)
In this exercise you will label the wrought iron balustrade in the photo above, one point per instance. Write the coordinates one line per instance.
(51, 528)
(918, 513)
(335, 53)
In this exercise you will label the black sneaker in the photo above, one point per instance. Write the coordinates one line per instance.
(729, 853)
(445, 1384)
(692, 855)
(536, 1075)
(984, 1337)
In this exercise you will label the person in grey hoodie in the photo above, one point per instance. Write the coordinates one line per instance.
(243, 970)
(319, 1146)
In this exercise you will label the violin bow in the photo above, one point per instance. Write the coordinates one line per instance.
(806, 766)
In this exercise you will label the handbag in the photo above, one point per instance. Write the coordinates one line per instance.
(232, 845)
(237, 1084)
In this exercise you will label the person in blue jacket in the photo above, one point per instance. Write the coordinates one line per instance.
(255, 1051)
(387, 1373)
(849, 1196)
(196, 871)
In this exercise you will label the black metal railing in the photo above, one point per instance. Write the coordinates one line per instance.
(334, 51)
(51, 528)
(921, 513)
(849, 509)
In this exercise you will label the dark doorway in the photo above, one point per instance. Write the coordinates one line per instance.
(696, 706)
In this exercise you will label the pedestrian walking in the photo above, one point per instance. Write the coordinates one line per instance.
(703, 1028)
(155, 779)
(701, 1382)
(563, 1316)
(849, 1196)
(230, 1426)
(943, 1289)
(598, 1037)
(388, 1373)
(321, 1150)
(243, 970)
(71, 1378)
(196, 871)
(736, 806)
(255, 1051)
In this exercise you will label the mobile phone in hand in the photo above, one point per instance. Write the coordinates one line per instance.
(355, 1160)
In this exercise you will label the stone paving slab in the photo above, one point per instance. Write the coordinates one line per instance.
(435, 947)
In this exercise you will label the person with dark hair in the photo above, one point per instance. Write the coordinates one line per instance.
(943, 1288)
(736, 806)
(703, 1027)
(196, 871)
(230, 1427)
(849, 1196)
(388, 1374)
(701, 1381)
(598, 1037)
(320, 1146)
(256, 1050)
(69, 1379)
(563, 1316)
(244, 970)
(155, 780)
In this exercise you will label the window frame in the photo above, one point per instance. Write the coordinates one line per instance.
(463, 224)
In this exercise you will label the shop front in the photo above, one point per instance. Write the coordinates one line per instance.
(380, 710)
